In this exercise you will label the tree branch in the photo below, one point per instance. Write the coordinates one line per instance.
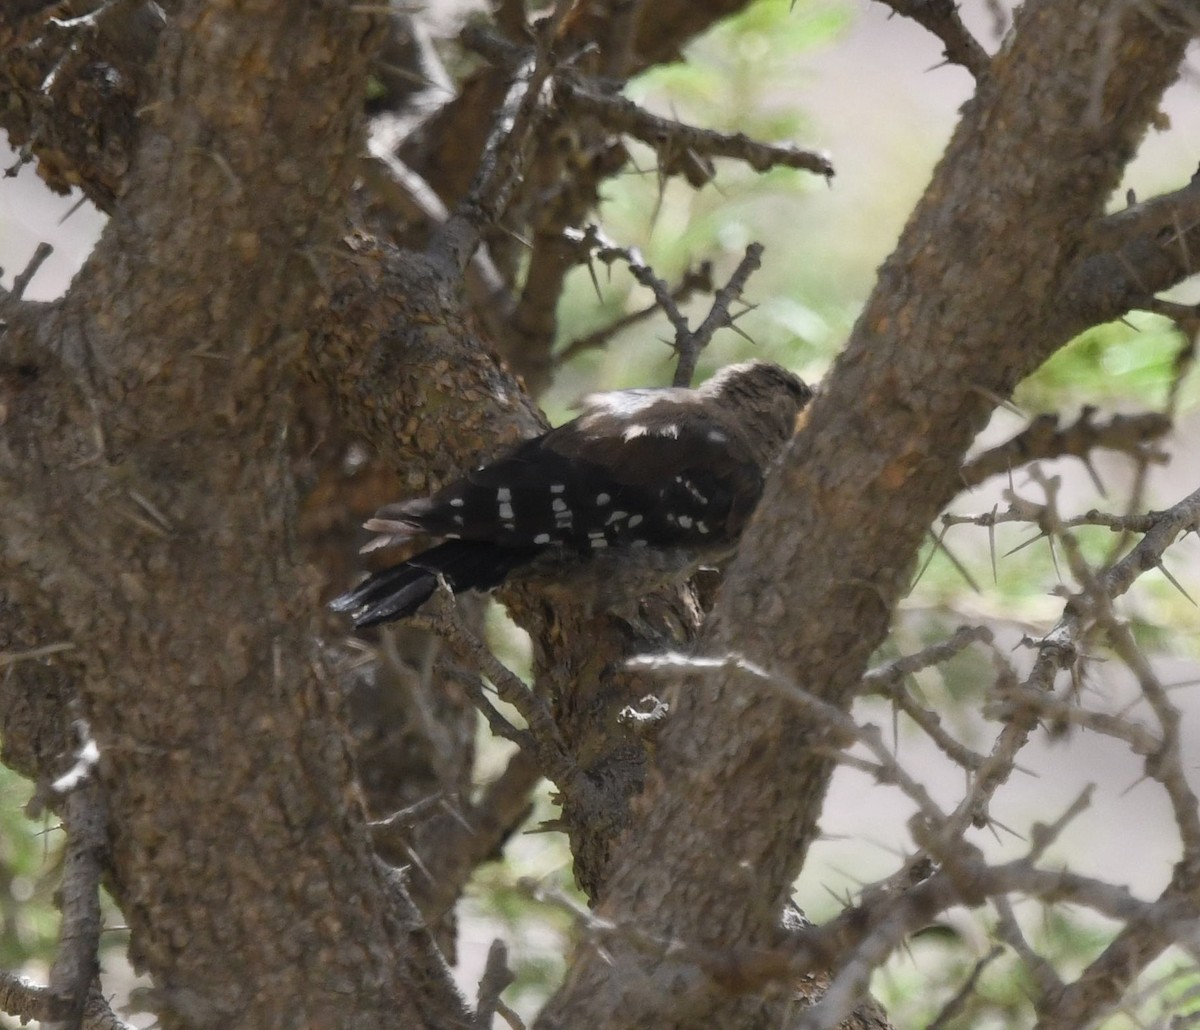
(674, 141)
(26, 1000)
(1131, 255)
(694, 281)
(941, 18)
(543, 738)
(502, 163)
(77, 962)
(1044, 439)
(689, 343)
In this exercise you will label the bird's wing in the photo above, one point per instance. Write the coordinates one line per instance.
(638, 468)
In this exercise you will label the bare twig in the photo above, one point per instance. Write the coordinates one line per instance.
(35, 653)
(888, 681)
(410, 195)
(1044, 439)
(1009, 931)
(694, 281)
(1013, 697)
(957, 1003)
(425, 959)
(1134, 254)
(688, 343)
(1166, 527)
(77, 962)
(26, 1000)
(22, 279)
(543, 738)
(941, 18)
(496, 977)
(503, 159)
(718, 317)
(592, 240)
(405, 817)
(1021, 512)
(457, 842)
(675, 142)
(882, 677)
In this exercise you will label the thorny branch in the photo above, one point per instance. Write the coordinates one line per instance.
(678, 144)
(1135, 254)
(502, 162)
(26, 1000)
(872, 929)
(941, 18)
(446, 1002)
(468, 834)
(496, 977)
(1044, 439)
(77, 963)
(567, 190)
(23, 278)
(694, 281)
(72, 997)
(863, 936)
(689, 343)
(541, 737)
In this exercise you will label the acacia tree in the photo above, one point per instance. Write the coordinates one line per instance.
(268, 298)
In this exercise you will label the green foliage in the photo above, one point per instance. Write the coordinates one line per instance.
(1134, 360)
(29, 857)
(743, 76)
(502, 901)
(916, 984)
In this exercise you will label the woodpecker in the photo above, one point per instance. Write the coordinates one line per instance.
(638, 475)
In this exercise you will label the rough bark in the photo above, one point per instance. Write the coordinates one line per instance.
(143, 465)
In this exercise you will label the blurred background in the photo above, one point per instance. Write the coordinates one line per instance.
(870, 89)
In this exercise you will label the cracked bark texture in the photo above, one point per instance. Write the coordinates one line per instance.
(146, 493)
(174, 494)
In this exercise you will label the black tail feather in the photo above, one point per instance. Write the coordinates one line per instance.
(399, 591)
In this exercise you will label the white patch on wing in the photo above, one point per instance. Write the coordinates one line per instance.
(622, 402)
(506, 510)
(503, 494)
(456, 502)
(542, 538)
(559, 505)
(670, 431)
(602, 498)
(691, 489)
(635, 520)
